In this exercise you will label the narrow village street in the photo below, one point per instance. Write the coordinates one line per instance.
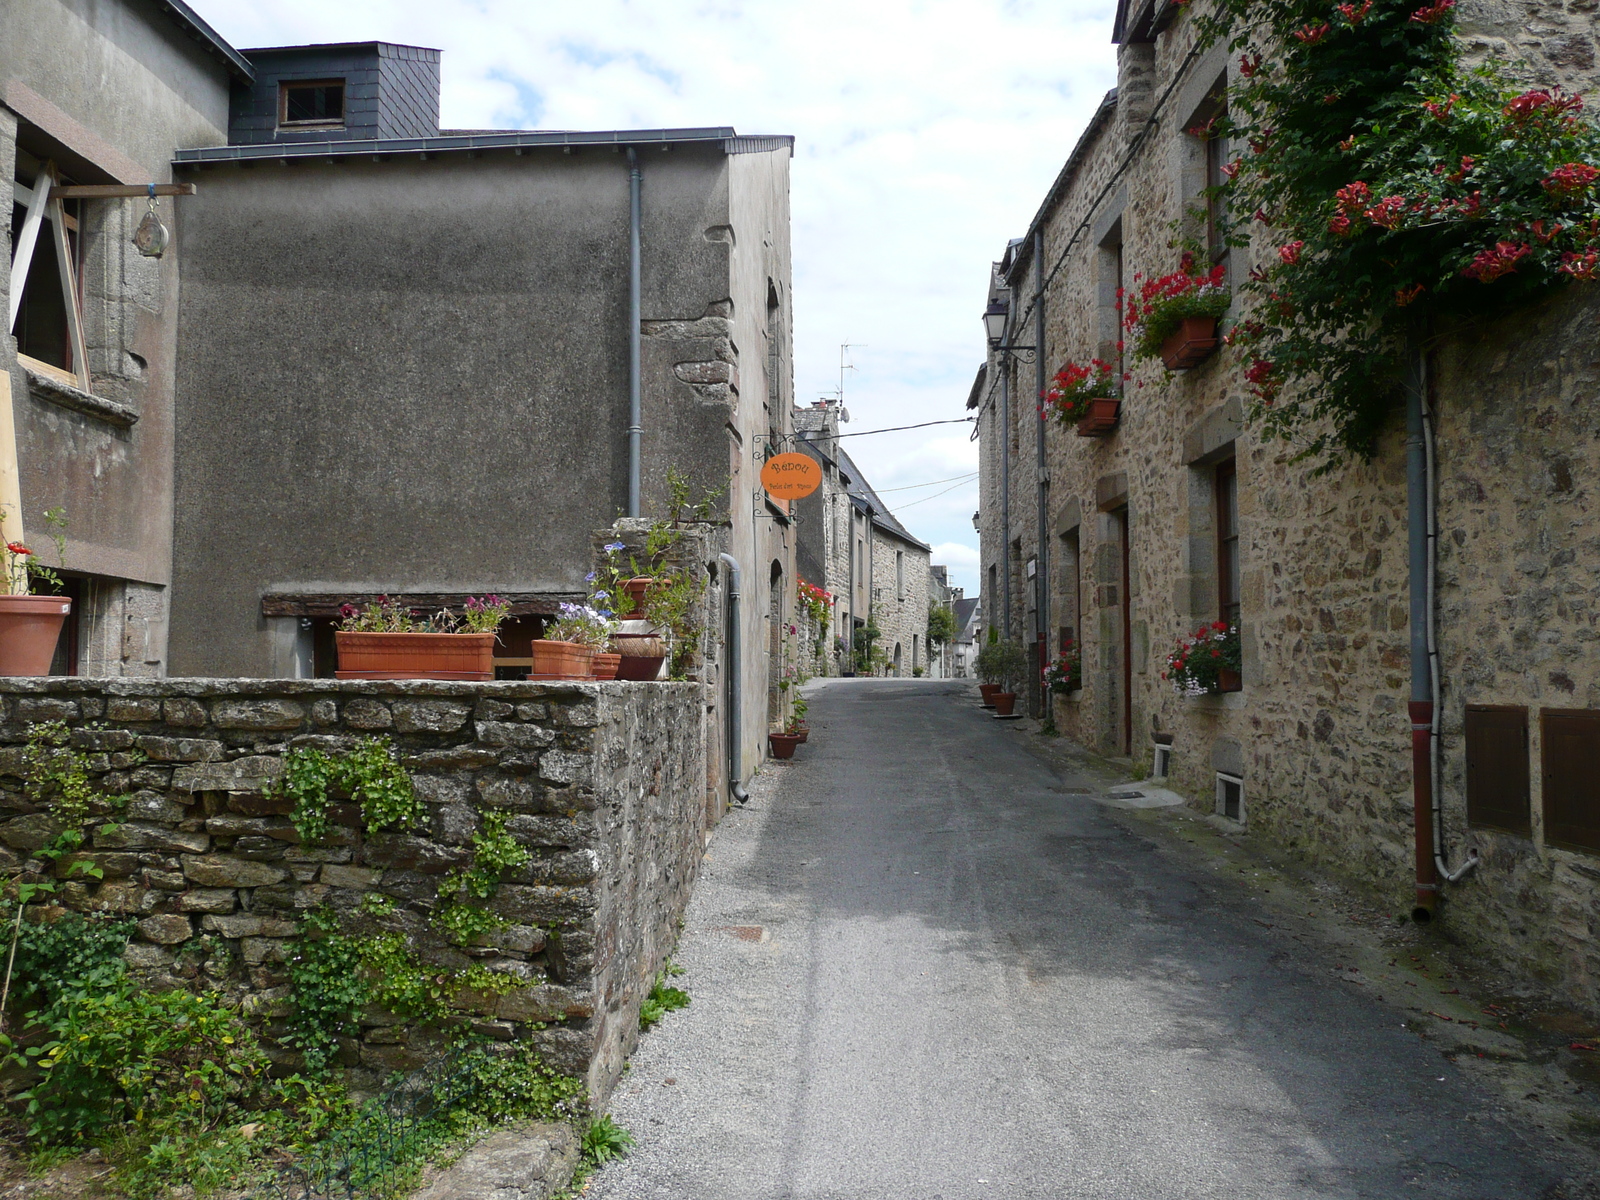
(927, 966)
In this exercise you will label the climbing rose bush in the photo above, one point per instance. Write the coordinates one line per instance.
(1400, 192)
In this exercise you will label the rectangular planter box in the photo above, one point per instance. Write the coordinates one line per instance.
(464, 656)
(1191, 344)
(1102, 419)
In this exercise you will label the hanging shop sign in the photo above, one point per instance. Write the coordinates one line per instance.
(791, 476)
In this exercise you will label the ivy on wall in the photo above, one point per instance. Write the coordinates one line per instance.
(1405, 193)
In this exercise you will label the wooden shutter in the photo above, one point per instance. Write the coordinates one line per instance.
(1571, 747)
(1497, 768)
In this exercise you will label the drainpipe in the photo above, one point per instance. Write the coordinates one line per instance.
(1041, 580)
(635, 409)
(733, 667)
(1424, 706)
(1005, 492)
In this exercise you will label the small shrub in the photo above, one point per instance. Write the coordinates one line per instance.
(604, 1140)
(662, 998)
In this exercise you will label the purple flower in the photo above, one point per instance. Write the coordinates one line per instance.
(615, 546)
(589, 578)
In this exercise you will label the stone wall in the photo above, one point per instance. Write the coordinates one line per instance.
(605, 784)
(900, 601)
(1319, 734)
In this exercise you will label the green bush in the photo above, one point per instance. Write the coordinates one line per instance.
(148, 1057)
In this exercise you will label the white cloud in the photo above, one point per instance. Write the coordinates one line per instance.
(927, 132)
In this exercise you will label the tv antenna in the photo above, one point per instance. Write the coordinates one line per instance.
(846, 365)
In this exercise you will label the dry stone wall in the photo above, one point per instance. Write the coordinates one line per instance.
(604, 785)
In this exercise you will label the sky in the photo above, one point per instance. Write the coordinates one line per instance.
(926, 133)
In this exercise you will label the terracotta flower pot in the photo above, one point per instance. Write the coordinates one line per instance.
(558, 660)
(783, 744)
(634, 590)
(987, 691)
(30, 626)
(1102, 419)
(1229, 681)
(415, 655)
(1190, 344)
(605, 665)
(1004, 702)
(802, 731)
(640, 668)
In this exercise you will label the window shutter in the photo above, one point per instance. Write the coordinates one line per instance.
(1571, 744)
(1497, 768)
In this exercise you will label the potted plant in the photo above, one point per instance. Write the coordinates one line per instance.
(1085, 396)
(581, 628)
(1174, 317)
(986, 664)
(797, 723)
(388, 641)
(783, 744)
(1065, 674)
(30, 624)
(1207, 663)
(1010, 665)
(660, 607)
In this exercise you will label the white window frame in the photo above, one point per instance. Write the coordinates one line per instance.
(1224, 780)
(43, 205)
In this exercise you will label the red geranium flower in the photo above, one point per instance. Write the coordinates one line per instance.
(17, 548)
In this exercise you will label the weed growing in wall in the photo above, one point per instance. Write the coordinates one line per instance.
(370, 775)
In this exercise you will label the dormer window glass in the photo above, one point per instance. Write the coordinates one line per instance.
(311, 104)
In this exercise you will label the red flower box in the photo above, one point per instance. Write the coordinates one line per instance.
(1102, 419)
(1190, 344)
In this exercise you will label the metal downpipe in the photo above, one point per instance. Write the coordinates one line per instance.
(1005, 492)
(734, 667)
(635, 408)
(1424, 706)
(1041, 582)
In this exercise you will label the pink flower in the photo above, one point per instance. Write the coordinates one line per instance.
(1574, 179)
(1290, 254)
(1352, 14)
(1312, 34)
(1434, 13)
(1585, 266)
(1489, 265)
(1387, 212)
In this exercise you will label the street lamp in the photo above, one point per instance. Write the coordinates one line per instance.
(977, 520)
(994, 325)
(994, 320)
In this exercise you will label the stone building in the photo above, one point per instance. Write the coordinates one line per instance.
(876, 570)
(402, 360)
(1184, 515)
(100, 95)
(943, 594)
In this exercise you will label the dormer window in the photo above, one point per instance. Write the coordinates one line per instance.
(311, 104)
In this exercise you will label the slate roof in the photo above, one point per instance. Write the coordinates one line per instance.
(868, 501)
(964, 609)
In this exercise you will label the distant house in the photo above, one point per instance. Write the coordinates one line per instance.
(876, 570)
(942, 594)
(969, 623)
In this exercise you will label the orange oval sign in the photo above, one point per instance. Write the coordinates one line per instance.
(791, 476)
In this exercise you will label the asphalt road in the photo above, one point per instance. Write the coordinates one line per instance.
(921, 970)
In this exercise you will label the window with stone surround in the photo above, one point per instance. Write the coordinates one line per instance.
(1206, 153)
(1071, 588)
(1225, 486)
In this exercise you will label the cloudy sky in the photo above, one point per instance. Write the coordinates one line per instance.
(926, 133)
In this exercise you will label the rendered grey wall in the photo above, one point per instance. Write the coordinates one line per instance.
(412, 376)
(122, 86)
